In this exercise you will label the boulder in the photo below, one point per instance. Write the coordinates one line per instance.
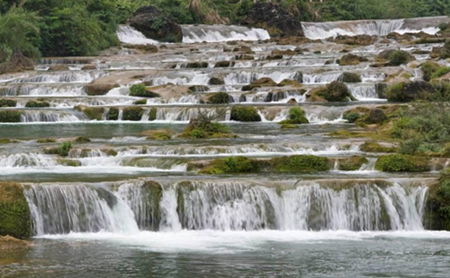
(278, 20)
(262, 82)
(18, 62)
(351, 60)
(99, 89)
(349, 77)
(216, 81)
(376, 116)
(156, 25)
(333, 92)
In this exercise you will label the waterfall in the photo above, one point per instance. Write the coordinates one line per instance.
(220, 33)
(64, 77)
(323, 30)
(363, 92)
(225, 205)
(25, 160)
(128, 34)
(48, 116)
(60, 209)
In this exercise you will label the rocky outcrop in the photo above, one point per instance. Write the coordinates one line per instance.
(156, 25)
(351, 60)
(276, 19)
(14, 211)
(333, 92)
(18, 62)
(404, 92)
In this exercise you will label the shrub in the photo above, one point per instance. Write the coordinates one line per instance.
(402, 163)
(429, 68)
(94, 113)
(352, 116)
(245, 114)
(133, 113)
(300, 163)
(62, 150)
(296, 116)
(10, 116)
(219, 98)
(353, 163)
(395, 92)
(37, 104)
(398, 57)
(231, 165)
(113, 114)
(7, 103)
(139, 90)
(350, 77)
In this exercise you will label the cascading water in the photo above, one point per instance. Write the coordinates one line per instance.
(225, 205)
(220, 33)
(323, 30)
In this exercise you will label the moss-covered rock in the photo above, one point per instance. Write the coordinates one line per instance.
(46, 140)
(353, 163)
(37, 104)
(15, 216)
(197, 65)
(333, 92)
(351, 60)
(62, 150)
(296, 116)
(402, 163)
(158, 134)
(245, 114)
(404, 92)
(140, 102)
(133, 113)
(82, 139)
(10, 116)
(395, 57)
(113, 114)
(140, 90)
(262, 82)
(94, 113)
(99, 89)
(7, 102)
(428, 69)
(373, 147)
(216, 81)
(231, 165)
(350, 77)
(224, 64)
(289, 83)
(220, 98)
(375, 116)
(300, 164)
(69, 162)
(437, 210)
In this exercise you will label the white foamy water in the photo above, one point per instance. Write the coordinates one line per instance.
(128, 34)
(221, 33)
(236, 241)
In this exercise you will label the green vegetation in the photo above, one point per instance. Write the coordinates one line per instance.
(62, 150)
(159, 134)
(300, 163)
(10, 116)
(15, 219)
(231, 165)
(296, 116)
(245, 114)
(373, 147)
(350, 77)
(437, 211)
(133, 113)
(7, 103)
(440, 72)
(425, 129)
(203, 127)
(113, 114)
(398, 57)
(139, 90)
(402, 163)
(353, 163)
(94, 113)
(37, 104)
(219, 98)
(46, 140)
(429, 68)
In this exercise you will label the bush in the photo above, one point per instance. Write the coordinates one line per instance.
(398, 57)
(301, 163)
(353, 163)
(219, 98)
(429, 68)
(113, 114)
(37, 104)
(14, 211)
(296, 116)
(10, 116)
(133, 113)
(231, 165)
(402, 163)
(62, 150)
(7, 103)
(350, 77)
(440, 72)
(94, 113)
(139, 90)
(352, 117)
(395, 92)
(204, 127)
(245, 114)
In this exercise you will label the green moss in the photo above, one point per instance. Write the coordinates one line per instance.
(46, 140)
(7, 103)
(133, 113)
(5, 141)
(139, 90)
(353, 163)
(300, 163)
(245, 114)
(219, 98)
(429, 68)
(15, 216)
(113, 114)
(295, 116)
(395, 92)
(437, 210)
(140, 102)
(63, 149)
(335, 92)
(372, 147)
(440, 72)
(163, 134)
(399, 57)
(352, 116)
(288, 126)
(37, 104)
(402, 163)
(69, 162)
(231, 165)
(350, 77)
(152, 114)
(10, 116)
(94, 113)
(82, 140)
